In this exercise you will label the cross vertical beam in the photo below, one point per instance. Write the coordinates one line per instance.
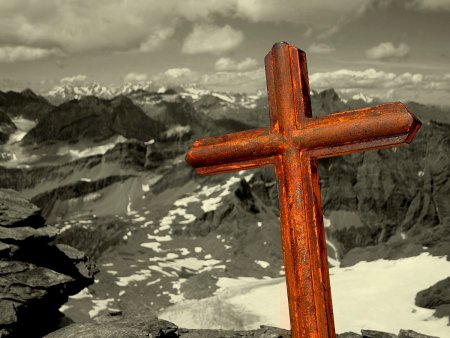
(302, 231)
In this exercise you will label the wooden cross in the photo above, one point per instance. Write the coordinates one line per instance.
(292, 143)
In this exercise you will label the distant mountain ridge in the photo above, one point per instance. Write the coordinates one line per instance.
(246, 107)
(26, 104)
(94, 118)
(143, 112)
(66, 92)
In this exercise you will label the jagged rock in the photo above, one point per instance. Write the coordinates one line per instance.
(135, 324)
(119, 326)
(8, 311)
(85, 267)
(348, 335)
(7, 250)
(262, 332)
(36, 276)
(413, 334)
(436, 297)
(24, 282)
(17, 234)
(140, 325)
(377, 334)
(16, 211)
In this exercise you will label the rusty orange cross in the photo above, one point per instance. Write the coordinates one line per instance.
(292, 143)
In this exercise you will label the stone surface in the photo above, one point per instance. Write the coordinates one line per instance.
(118, 326)
(436, 297)
(140, 325)
(16, 211)
(438, 294)
(36, 276)
(26, 233)
(412, 334)
(349, 335)
(377, 334)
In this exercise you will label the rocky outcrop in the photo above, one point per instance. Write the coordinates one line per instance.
(436, 297)
(116, 325)
(401, 194)
(36, 276)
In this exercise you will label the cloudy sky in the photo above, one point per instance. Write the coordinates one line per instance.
(393, 49)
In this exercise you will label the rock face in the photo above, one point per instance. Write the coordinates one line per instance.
(117, 325)
(436, 297)
(400, 196)
(36, 276)
(390, 203)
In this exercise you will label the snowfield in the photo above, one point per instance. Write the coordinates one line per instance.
(375, 295)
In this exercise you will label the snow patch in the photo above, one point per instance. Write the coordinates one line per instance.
(155, 246)
(99, 305)
(84, 293)
(211, 204)
(164, 238)
(385, 287)
(224, 97)
(139, 276)
(262, 264)
(98, 150)
(92, 197)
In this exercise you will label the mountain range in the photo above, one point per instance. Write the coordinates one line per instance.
(108, 171)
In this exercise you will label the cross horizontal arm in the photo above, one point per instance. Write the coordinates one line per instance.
(376, 127)
(236, 151)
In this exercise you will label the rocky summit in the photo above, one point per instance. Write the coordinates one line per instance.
(36, 276)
